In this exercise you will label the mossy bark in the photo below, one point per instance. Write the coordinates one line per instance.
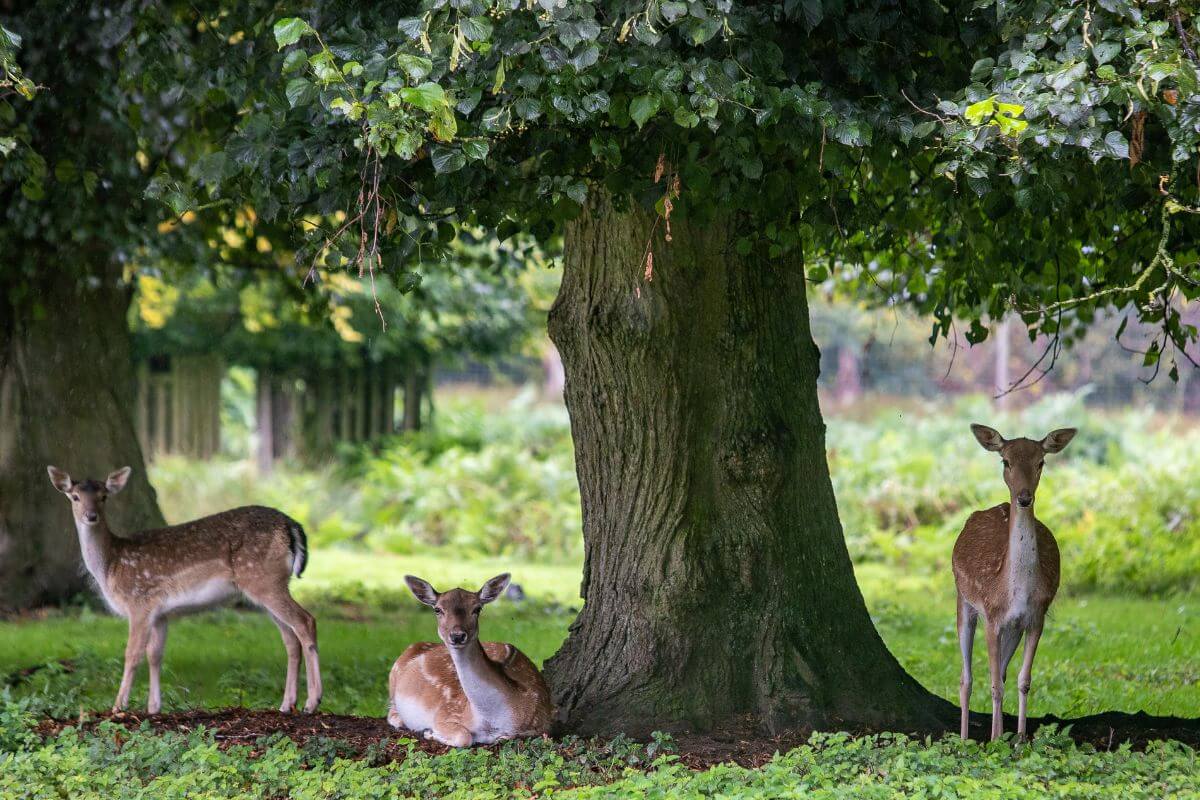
(718, 588)
(67, 398)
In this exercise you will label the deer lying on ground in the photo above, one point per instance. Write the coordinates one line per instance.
(1006, 567)
(160, 573)
(464, 691)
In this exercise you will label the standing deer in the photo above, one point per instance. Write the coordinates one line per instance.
(1006, 567)
(464, 691)
(164, 572)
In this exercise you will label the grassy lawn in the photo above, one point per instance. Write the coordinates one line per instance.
(1098, 653)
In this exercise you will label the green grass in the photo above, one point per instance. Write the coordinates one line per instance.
(1098, 653)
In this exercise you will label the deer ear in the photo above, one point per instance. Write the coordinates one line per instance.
(989, 438)
(494, 588)
(421, 590)
(1055, 441)
(116, 480)
(61, 480)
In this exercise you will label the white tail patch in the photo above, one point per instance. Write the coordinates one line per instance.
(298, 544)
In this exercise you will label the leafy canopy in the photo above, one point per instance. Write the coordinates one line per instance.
(969, 159)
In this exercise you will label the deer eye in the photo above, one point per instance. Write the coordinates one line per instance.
(1005, 460)
(438, 611)
(75, 498)
(477, 610)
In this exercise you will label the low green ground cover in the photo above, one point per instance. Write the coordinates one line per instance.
(112, 764)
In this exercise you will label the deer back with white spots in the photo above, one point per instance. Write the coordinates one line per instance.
(156, 574)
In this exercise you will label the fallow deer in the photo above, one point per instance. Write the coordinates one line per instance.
(163, 572)
(1006, 567)
(464, 691)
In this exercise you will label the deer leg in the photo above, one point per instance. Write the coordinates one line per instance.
(967, 618)
(292, 645)
(1025, 677)
(1002, 643)
(281, 604)
(154, 655)
(135, 648)
(449, 732)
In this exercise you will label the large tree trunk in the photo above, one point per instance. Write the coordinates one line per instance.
(66, 398)
(718, 589)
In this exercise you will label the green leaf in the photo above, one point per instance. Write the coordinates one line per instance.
(686, 118)
(300, 92)
(294, 60)
(1116, 145)
(447, 159)
(428, 96)
(289, 30)
(1106, 51)
(577, 191)
(443, 125)
(417, 68)
(65, 171)
(475, 149)
(476, 29)
(976, 112)
(412, 27)
(673, 11)
(495, 119)
(643, 107)
(814, 12)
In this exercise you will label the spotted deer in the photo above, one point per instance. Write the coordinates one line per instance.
(1006, 567)
(464, 691)
(158, 574)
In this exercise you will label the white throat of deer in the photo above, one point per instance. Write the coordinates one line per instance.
(1023, 460)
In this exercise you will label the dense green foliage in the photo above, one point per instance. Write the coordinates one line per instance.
(962, 159)
(110, 763)
(968, 159)
(492, 482)
(479, 483)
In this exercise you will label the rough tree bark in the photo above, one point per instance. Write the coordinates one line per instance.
(67, 397)
(718, 589)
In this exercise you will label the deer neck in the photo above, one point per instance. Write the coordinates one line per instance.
(1022, 548)
(487, 690)
(96, 544)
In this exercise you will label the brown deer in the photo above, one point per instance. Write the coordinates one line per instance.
(158, 574)
(1006, 567)
(464, 691)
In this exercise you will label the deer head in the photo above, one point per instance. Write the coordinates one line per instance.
(457, 610)
(87, 496)
(1023, 458)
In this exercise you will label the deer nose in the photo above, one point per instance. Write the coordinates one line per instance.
(1025, 498)
(91, 516)
(458, 637)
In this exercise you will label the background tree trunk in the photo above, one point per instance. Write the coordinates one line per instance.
(718, 589)
(66, 398)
